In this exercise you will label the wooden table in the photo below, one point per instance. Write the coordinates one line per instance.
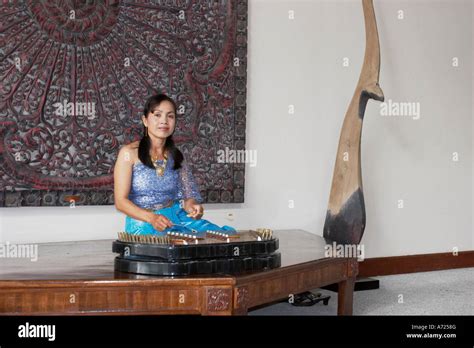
(76, 278)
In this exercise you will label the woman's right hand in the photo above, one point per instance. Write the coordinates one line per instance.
(160, 222)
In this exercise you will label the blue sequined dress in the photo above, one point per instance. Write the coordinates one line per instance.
(164, 195)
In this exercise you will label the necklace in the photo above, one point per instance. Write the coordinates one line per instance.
(160, 169)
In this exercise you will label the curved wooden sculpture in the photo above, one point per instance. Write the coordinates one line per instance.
(345, 219)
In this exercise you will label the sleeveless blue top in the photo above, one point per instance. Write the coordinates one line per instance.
(151, 191)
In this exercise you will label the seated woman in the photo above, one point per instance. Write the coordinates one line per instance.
(152, 179)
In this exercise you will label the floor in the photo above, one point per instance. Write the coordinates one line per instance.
(449, 292)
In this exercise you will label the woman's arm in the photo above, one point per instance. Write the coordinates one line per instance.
(189, 192)
(188, 189)
(122, 182)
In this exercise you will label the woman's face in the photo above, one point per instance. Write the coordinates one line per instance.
(161, 121)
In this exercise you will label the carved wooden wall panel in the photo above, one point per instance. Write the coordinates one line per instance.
(108, 57)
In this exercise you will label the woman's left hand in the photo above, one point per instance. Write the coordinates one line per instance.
(194, 209)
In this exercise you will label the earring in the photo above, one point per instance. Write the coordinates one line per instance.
(146, 131)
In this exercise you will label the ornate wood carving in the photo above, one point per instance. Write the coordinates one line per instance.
(218, 299)
(74, 76)
(242, 297)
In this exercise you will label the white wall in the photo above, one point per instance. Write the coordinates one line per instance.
(299, 62)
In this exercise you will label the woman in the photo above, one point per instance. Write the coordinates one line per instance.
(151, 177)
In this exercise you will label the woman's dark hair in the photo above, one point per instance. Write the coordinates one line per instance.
(145, 142)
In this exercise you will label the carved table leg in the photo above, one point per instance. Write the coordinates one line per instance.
(241, 301)
(345, 295)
